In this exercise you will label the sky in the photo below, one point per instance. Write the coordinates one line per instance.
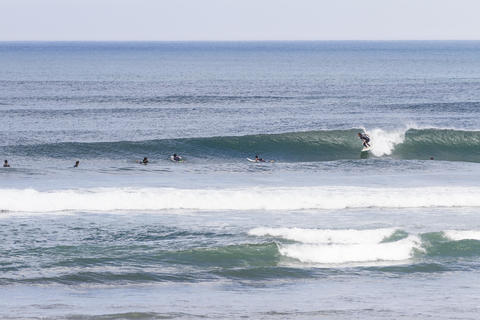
(177, 20)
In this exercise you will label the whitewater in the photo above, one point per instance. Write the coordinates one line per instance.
(252, 198)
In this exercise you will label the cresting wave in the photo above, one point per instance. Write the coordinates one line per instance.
(362, 247)
(442, 144)
(254, 198)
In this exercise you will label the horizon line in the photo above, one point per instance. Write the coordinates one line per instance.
(253, 40)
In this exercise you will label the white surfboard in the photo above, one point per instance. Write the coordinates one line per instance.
(366, 149)
(265, 161)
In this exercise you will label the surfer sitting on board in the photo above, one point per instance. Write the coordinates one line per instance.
(257, 159)
(365, 138)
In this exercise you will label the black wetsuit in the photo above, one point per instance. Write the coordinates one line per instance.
(365, 139)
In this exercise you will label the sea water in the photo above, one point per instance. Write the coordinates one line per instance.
(323, 231)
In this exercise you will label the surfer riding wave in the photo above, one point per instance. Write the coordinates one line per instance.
(365, 138)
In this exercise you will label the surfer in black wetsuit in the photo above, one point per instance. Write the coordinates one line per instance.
(257, 159)
(365, 138)
(6, 164)
(144, 161)
(176, 157)
(77, 163)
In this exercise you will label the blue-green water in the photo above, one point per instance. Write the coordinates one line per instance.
(323, 231)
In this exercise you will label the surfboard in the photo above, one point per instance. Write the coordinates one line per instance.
(265, 161)
(365, 149)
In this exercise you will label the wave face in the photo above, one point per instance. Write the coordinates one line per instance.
(254, 198)
(442, 144)
(317, 246)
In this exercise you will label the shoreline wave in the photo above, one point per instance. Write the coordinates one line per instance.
(241, 199)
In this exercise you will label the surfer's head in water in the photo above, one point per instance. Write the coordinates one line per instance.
(77, 163)
(6, 164)
(145, 160)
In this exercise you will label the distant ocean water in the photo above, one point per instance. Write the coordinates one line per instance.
(322, 231)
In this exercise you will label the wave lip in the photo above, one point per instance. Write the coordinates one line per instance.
(325, 236)
(255, 198)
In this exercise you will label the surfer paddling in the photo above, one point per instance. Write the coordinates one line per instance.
(257, 159)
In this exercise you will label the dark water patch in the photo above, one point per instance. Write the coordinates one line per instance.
(431, 267)
(436, 244)
(447, 107)
(266, 273)
(246, 255)
(140, 101)
(461, 248)
(108, 278)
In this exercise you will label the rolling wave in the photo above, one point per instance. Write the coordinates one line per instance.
(270, 253)
(442, 144)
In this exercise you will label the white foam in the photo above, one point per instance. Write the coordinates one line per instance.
(462, 234)
(384, 142)
(326, 246)
(258, 198)
(354, 253)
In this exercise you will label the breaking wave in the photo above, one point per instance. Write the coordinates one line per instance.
(442, 144)
(348, 246)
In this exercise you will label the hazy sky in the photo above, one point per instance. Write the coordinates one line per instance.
(238, 19)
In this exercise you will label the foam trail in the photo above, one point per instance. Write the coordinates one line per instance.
(273, 198)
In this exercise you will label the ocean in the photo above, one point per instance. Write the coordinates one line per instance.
(319, 230)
